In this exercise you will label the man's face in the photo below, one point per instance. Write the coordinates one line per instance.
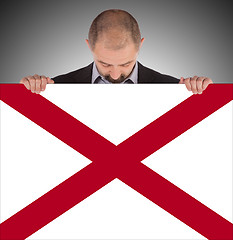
(115, 65)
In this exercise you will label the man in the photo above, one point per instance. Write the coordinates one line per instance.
(115, 40)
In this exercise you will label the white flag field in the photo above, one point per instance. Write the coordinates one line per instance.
(148, 161)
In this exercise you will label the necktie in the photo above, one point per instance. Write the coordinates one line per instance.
(128, 81)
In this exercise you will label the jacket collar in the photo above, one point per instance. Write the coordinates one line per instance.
(143, 76)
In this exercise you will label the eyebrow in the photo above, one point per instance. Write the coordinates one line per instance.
(111, 64)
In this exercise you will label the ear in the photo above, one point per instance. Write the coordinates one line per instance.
(87, 42)
(142, 40)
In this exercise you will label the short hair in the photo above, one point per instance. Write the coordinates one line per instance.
(114, 19)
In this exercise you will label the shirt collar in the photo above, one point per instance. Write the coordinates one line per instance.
(133, 76)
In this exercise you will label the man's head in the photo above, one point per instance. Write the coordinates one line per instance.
(115, 40)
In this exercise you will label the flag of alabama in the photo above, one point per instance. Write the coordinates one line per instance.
(116, 162)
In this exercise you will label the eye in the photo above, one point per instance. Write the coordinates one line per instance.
(105, 65)
(125, 65)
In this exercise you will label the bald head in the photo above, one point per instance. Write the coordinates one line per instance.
(115, 29)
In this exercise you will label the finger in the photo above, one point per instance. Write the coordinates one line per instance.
(188, 84)
(25, 82)
(38, 83)
(181, 80)
(200, 85)
(193, 82)
(32, 82)
(43, 82)
(49, 80)
(206, 83)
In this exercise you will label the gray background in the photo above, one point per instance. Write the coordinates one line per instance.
(182, 38)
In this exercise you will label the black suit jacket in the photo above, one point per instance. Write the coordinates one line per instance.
(145, 75)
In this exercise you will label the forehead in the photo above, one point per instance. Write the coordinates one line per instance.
(115, 56)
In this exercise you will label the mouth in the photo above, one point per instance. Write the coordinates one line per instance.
(119, 80)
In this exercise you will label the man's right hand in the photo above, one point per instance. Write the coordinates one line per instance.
(36, 83)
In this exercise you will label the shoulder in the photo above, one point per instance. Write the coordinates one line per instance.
(147, 75)
(82, 75)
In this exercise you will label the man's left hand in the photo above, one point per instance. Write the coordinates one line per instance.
(196, 84)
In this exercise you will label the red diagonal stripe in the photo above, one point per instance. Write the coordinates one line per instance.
(54, 203)
(177, 121)
(176, 202)
(56, 121)
(110, 152)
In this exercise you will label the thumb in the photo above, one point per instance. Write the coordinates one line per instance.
(181, 80)
(50, 81)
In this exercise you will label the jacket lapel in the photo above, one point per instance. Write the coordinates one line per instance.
(143, 75)
(87, 74)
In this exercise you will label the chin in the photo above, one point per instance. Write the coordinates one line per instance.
(119, 80)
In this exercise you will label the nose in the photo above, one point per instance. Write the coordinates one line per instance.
(115, 73)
